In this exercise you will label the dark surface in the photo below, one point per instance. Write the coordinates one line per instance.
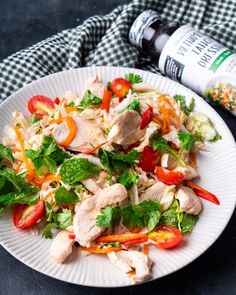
(25, 22)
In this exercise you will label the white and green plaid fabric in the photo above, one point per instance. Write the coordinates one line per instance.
(103, 40)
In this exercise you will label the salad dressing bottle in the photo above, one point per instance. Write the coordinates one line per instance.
(188, 56)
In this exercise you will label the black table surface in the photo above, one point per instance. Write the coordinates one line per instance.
(26, 22)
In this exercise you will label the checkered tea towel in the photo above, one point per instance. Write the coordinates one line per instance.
(103, 40)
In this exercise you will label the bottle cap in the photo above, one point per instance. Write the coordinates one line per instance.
(143, 21)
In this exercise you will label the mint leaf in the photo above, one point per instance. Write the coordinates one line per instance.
(88, 100)
(133, 78)
(128, 179)
(77, 169)
(188, 222)
(63, 196)
(182, 102)
(161, 144)
(134, 105)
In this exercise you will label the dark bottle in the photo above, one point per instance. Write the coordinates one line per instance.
(188, 56)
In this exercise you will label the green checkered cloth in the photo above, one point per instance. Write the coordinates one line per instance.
(103, 40)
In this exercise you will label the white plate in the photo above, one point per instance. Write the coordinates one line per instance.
(217, 170)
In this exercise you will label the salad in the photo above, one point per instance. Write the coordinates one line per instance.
(109, 171)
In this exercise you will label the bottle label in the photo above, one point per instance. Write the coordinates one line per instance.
(202, 64)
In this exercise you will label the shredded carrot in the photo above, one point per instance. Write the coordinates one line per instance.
(120, 238)
(171, 109)
(145, 249)
(135, 230)
(157, 120)
(56, 121)
(166, 120)
(93, 150)
(22, 145)
(71, 109)
(72, 131)
(96, 250)
(49, 197)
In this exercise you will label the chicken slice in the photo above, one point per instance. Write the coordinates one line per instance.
(188, 200)
(125, 128)
(92, 159)
(86, 136)
(161, 192)
(84, 223)
(96, 87)
(129, 261)
(91, 185)
(61, 246)
(189, 172)
(172, 136)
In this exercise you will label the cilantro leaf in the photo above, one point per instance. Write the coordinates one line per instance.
(182, 102)
(33, 119)
(187, 140)
(108, 217)
(65, 197)
(146, 213)
(161, 144)
(134, 105)
(71, 104)
(47, 230)
(128, 179)
(77, 169)
(63, 219)
(47, 157)
(6, 153)
(88, 100)
(133, 78)
(115, 161)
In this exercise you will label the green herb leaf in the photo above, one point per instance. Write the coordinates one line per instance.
(71, 104)
(88, 100)
(6, 153)
(134, 105)
(186, 139)
(133, 78)
(216, 138)
(182, 102)
(47, 230)
(128, 179)
(33, 119)
(63, 219)
(161, 144)
(188, 222)
(114, 161)
(47, 157)
(64, 197)
(146, 213)
(108, 217)
(77, 169)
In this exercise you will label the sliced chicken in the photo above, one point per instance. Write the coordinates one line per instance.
(161, 192)
(84, 223)
(126, 128)
(189, 172)
(142, 87)
(189, 202)
(95, 86)
(172, 136)
(87, 134)
(61, 246)
(91, 185)
(133, 262)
